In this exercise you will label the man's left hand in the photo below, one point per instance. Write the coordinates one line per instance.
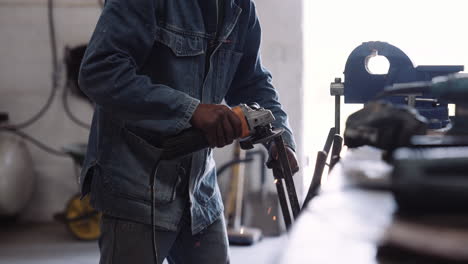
(291, 157)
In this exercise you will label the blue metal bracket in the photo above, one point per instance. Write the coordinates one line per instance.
(362, 86)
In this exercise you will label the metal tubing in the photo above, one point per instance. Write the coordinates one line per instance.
(337, 113)
(288, 176)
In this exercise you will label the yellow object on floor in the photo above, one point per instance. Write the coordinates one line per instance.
(82, 219)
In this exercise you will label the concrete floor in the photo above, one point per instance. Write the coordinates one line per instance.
(52, 244)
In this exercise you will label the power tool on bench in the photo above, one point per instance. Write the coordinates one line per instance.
(385, 125)
(445, 89)
(391, 124)
(256, 129)
(431, 175)
(428, 148)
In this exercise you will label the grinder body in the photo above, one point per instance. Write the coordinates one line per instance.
(252, 118)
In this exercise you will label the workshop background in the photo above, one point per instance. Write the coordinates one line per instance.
(26, 81)
(305, 46)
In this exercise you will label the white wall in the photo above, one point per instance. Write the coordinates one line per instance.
(281, 51)
(430, 32)
(25, 81)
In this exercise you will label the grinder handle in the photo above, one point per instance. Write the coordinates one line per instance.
(192, 139)
(186, 142)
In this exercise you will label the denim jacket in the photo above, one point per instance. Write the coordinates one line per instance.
(145, 70)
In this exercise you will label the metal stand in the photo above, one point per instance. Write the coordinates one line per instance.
(322, 157)
(337, 90)
(284, 178)
(334, 139)
(282, 171)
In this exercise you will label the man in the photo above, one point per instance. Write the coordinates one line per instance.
(154, 68)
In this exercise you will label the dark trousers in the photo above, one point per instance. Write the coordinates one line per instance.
(126, 242)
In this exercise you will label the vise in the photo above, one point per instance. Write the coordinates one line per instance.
(361, 86)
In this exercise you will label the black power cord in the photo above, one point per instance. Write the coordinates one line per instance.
(153, 204)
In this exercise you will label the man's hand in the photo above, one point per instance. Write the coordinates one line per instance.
(220, 124)
(291, 157)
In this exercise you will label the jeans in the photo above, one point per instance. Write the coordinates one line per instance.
(127, 242)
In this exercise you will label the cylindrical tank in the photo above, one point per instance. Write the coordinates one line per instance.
(17, 177)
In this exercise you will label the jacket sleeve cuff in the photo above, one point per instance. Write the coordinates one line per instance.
(289, 141)
(191, 104)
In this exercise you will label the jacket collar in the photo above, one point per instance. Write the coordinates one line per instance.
(232, 12)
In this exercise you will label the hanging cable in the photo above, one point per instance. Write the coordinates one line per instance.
(36, 142)
(14, 128)
(53, 45)
(154, 242)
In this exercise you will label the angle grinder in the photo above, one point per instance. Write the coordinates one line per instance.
(256, 128)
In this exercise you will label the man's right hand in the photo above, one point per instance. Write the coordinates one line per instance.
(220, 124)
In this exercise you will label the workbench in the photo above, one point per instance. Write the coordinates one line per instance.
(346, 223)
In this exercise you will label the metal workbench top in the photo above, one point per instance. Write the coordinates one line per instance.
(344, 223)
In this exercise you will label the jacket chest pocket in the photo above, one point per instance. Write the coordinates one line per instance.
(226, 63)
(175, 60)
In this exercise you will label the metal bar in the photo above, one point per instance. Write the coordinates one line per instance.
(337, 114)
(239, 169)
(288, 176)
(317, 178)
(329, 141)
(336, 150)
(277, 174)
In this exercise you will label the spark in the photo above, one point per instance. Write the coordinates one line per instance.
(276, 181)
(242, 230)
(274, 218)
(269, 211)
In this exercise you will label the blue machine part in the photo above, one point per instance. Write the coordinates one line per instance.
(362, 86)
